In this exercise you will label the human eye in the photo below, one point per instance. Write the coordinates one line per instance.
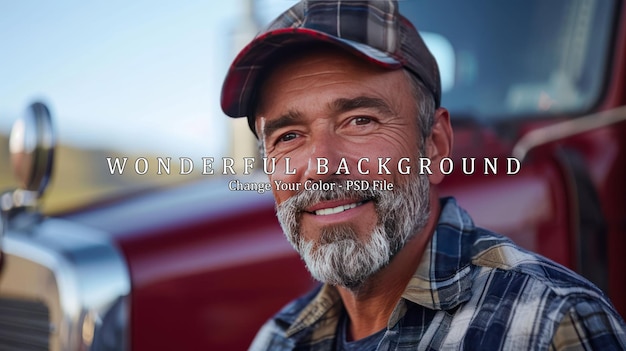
(361, 120)
(360, 124)
(286, 137)
(281, 137)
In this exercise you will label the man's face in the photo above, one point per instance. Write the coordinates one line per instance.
(329, 105)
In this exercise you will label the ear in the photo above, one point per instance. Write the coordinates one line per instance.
(439, 143)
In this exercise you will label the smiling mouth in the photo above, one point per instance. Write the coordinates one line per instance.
(337, 209)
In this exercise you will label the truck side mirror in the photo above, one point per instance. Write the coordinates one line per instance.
(31, 144)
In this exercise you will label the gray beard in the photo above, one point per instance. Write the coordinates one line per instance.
(339, 257)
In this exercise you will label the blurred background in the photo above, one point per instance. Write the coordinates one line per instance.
(121, 79)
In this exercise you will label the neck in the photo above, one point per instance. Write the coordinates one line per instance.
(370, 305)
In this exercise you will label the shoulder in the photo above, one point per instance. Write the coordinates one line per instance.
(495, 253)
(587, 324)
(540, 301)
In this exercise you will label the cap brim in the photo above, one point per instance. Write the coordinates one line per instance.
(241, 80)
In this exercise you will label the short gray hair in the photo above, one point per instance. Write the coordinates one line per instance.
(425, 107)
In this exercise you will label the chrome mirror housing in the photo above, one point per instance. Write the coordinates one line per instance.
(31, 143)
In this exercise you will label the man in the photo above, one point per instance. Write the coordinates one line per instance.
(351, 85)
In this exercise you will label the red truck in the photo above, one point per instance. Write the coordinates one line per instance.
(199, 266)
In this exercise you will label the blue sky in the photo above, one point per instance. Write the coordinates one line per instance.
(140, 75)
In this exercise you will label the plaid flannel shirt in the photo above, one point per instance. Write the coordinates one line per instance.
(473, 290)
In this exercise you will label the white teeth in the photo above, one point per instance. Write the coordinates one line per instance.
(329, 211)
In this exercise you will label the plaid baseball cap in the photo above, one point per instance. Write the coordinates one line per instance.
(372, 30)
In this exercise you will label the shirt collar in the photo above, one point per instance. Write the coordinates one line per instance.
(443, 280)
(324, 310)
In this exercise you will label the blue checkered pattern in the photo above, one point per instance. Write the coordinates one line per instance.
(473, 290)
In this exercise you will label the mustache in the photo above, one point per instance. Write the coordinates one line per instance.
(305, 198)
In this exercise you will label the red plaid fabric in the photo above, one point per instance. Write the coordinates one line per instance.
(372, 30)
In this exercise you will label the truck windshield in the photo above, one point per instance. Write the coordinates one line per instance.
(500, 59)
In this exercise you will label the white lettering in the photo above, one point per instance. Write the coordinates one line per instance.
(490, 165)
(145, 165)
(188, 162)
(343, 164)
(359, 165)
(287, 171)
(116, 165)
(425, 163)
(248, 164)
(207, 165)
(164, 165)
(450, 167)
(473, 159)
(227, 163)
(407, 169)
(322, 163)
(382, 165)
(265, 165)
(508, 165)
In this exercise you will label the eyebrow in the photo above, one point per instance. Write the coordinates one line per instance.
(337, 106)
(345, 105)
(290, 118)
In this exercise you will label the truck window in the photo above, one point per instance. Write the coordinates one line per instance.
(519, 57)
